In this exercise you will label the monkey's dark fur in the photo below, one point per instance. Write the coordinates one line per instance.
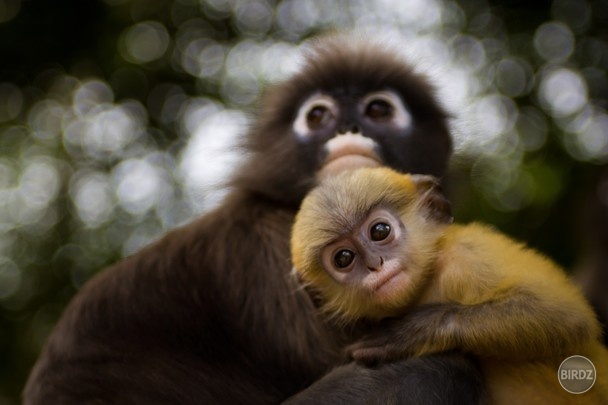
(346, 71)
(427, 380)
(210, 314)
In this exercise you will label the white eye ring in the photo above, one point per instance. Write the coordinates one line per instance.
(401, 116)
(300, 125)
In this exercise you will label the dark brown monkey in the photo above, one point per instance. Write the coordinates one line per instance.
(210, 314)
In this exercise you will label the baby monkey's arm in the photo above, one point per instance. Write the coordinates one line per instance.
(517, 325)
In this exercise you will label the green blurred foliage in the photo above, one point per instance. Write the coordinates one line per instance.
(117, 119)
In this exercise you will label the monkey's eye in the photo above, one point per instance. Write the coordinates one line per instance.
(318, 112)
(386, 108)
(344, 258)
(318, 117)
(379, 110)
(380, 231)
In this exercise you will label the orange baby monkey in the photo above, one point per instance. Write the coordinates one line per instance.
(380, 247)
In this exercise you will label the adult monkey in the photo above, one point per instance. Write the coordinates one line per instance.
(210, 314)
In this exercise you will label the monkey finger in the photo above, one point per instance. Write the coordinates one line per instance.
(368, 356)
(366, 353)
(375, 340)
(371, 356)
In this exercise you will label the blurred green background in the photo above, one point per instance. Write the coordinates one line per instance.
(118, 120)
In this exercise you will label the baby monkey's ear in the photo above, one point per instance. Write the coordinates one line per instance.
(432, 200)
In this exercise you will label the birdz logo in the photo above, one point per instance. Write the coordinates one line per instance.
(576, 374)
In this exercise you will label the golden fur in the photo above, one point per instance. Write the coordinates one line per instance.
(472, 289)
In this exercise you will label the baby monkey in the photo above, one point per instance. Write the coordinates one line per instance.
(380, 250)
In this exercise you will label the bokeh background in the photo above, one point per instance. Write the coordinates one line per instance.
(119, 120)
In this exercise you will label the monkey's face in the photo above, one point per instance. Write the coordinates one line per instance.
(354, 104)
(348, 129)
(371, 257)
(367, 240)
(376, 261)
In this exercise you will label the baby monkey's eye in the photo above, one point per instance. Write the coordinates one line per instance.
(344, 258)
(380, 231)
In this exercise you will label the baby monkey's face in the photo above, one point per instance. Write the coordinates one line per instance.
(367, 241)
(370, 257)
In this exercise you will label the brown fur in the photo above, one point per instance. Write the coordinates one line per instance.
(470, 289)
(210, 313)
(347, 68)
